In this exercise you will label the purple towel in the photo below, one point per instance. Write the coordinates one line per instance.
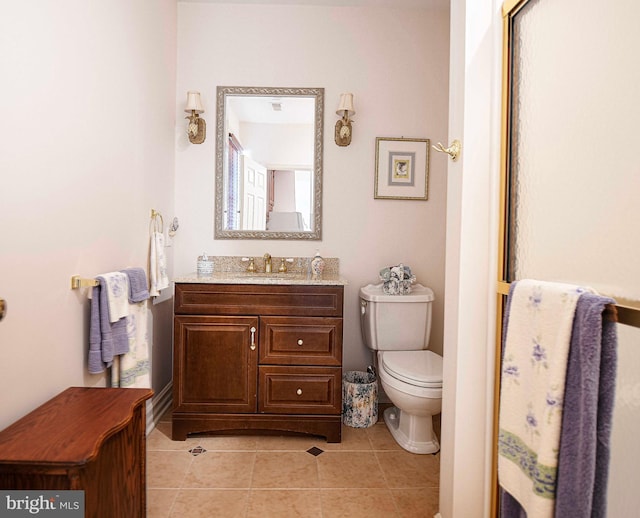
(94, 362)
(138, 286)
(106, 340)
(583, 463)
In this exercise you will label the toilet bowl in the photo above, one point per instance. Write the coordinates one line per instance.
(416, 398)
(397, 328)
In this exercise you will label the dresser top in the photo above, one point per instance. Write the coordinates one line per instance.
(70, 428)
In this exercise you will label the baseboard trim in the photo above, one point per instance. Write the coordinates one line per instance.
(158, 405)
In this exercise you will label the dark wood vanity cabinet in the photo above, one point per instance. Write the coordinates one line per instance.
(253, 357)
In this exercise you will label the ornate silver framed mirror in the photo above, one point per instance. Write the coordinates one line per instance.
(269, 146)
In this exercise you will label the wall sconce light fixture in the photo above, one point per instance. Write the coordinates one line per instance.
(343, 126)
(197, 127)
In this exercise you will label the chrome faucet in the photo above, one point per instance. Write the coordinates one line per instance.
(267, 263)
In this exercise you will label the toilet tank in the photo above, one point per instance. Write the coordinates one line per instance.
(395, 322)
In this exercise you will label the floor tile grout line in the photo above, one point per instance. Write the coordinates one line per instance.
(393, 500)
(247, 503)
(253, 472)
(320, 492)
(184, 477)
(386, 480)
(173, 503)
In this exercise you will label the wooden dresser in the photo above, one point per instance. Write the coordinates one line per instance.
(91, 439)
(258, 357)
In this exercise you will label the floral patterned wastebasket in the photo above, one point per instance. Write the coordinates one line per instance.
(359, 399)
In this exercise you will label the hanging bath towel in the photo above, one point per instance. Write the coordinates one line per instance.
(133, 368)
(117, 291)
(583, 463)
(157, 259)
(107, 339)
(138, 285)
(534, 365)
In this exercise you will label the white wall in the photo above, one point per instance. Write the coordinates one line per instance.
(87, 99)
(395, 61)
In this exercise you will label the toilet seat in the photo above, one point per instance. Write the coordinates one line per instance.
(420, 368)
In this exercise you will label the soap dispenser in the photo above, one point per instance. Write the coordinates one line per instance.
(317, 266)
(204, 266)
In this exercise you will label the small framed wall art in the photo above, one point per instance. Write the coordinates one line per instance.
(402, 169)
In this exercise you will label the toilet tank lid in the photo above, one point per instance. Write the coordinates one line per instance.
(374, 293)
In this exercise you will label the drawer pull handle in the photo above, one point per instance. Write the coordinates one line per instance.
(300, 342)
(253, 339)
(299, 392)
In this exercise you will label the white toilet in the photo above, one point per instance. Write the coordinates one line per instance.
(398, 328)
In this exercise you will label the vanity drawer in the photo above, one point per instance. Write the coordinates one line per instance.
(301, 341)
(300, 390)
(257, 299)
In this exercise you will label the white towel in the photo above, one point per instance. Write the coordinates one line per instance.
(132, 370)
(157, 264)
(533, 378)
(117, 295)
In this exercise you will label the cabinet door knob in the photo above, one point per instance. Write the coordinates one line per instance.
(253, 339)
(299, 392)
(300, 342)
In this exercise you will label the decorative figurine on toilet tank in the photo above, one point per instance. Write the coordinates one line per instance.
(397, 280)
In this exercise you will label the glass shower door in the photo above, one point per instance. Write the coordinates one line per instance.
(571, 177)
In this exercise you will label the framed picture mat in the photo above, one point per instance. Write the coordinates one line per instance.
(402, 169)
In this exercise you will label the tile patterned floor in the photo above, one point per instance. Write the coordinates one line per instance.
(366, 475)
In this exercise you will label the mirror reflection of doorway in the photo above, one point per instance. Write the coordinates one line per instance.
(254, 195)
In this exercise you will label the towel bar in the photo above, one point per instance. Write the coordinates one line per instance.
(624, 312)
(78, 282)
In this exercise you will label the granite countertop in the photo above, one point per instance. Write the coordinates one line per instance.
(233, 270)
(262, 278)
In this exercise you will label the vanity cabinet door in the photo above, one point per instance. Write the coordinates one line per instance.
(215, 364)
